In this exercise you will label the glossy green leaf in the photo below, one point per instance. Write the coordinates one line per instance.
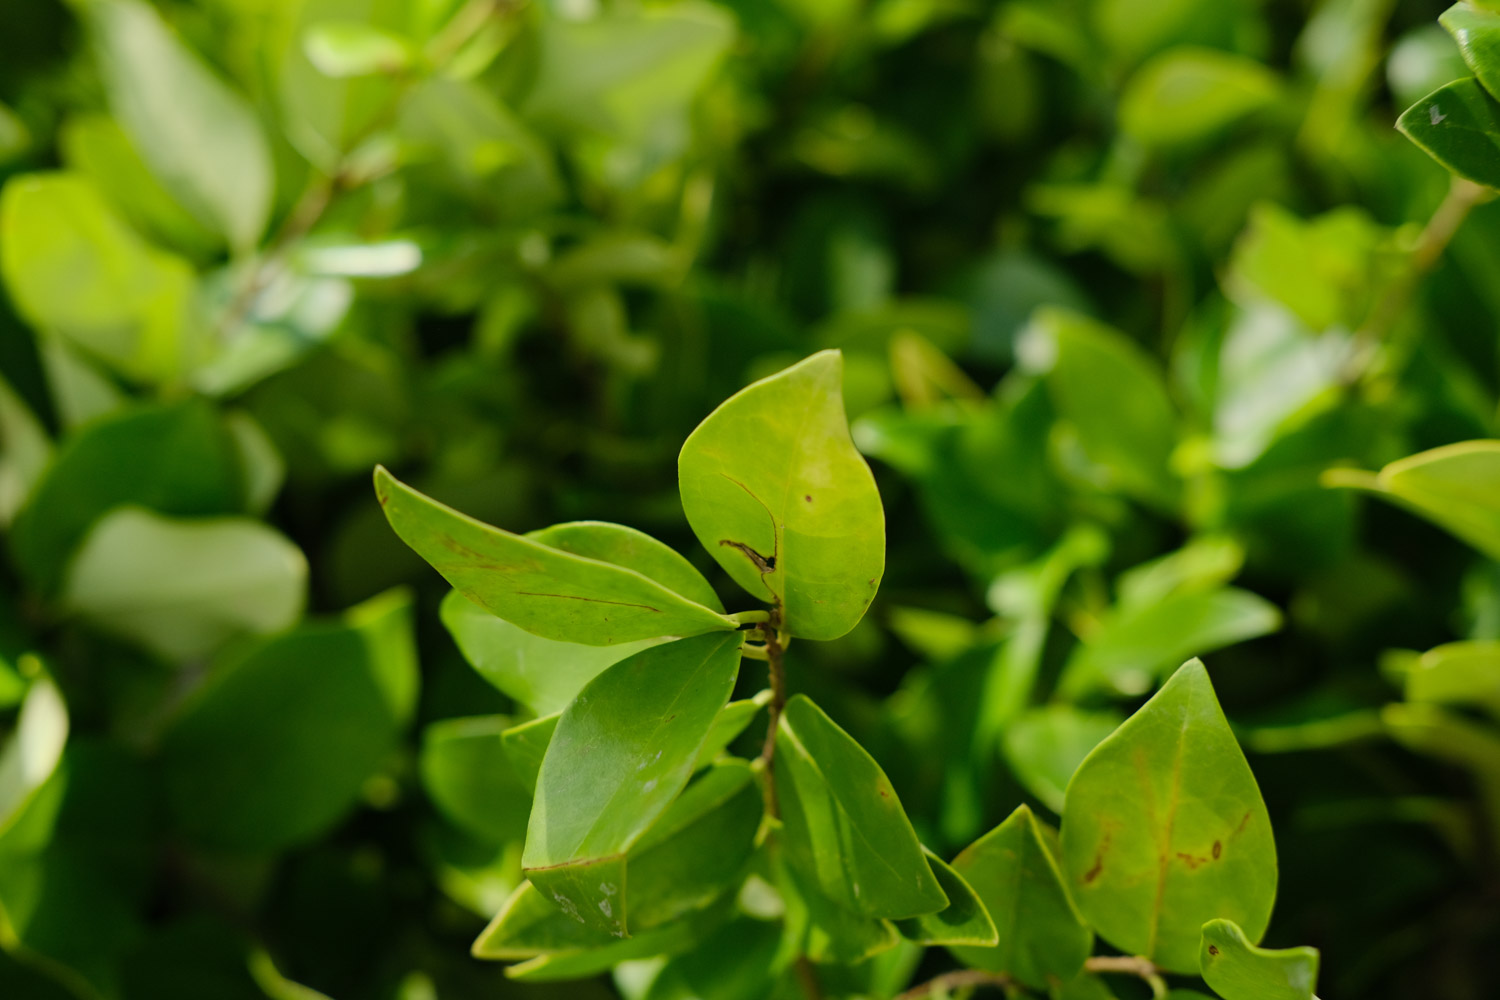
(1477, 32)
(730, 722)
(526, 745)
(200, 137)
(828, 932)
(1237, 970)
(1456, 486)
(542, 674)
(846, 833)
(175, 459)
(687, 860)
(182, 587)
(77, 271)
(1186, 95)
(622, 546)
(1133, 646)
(25, 452)
(1459, 673)
(965, 920)
(276, 744)
(1459, 126)
(350, 48)
(774, 488)
(1113, 393)
(621, 753)
(1044, 746)
(543, 590)
(581, 963)
(470, 777)
(31, 754)
(1164, 828)
(1041, 936)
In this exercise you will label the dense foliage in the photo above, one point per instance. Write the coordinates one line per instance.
(1161, 341)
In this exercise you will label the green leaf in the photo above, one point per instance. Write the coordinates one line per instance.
(470, 777)
(965, 921)
(34, 749)
(277, 743)
(1459, 126)
(831, 933)
(1477, 32)
(182, 588)
(1186, 95)
(351, 48)
(78, 272)
(1113, 393)
(175, 459)
(526, 745)
(774, 488)
(1458, 673)
(622, 546)
(25, 452)
(543, 590)
(728, 724)
(1456, 486)
(581, 963)
(1164, 828)
(846, 833)
(1134, 645)
(1236, 969)
(688, 859)
(542, 674)
(1045, 745)
(200, 137)
(621, 753)
(1041, 936)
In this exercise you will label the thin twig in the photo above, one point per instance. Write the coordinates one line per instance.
(1434, 239)
(776, 663)
(1130, 965)
(956, 980)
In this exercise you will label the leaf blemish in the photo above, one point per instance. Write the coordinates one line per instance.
(1218, 849)
(1191, 860)
(1213, 949)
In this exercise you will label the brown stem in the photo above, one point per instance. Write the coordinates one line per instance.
(956, 980)
(1131, 965)
(1434, 239)
(807, 978)
(776, 663)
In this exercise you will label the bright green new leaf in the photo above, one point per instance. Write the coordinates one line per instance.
(1041, 936)
(687, 860)
(77, 271)
(1164, 828)
(1459, 126)
(1113, 393)
(1458, 673)
(278, 742)
(1456, 486)
(1477, 32)
(774, 488)
(200, 137)
(965, 921)
(542, 674)
(544, 590)
(846, 832)
(1133, 646)
(1186, 95)
(181, 587)
(470, 777)
(351, 48)
(1237, 970)
(621, 752)
(176, 459)
(35, 746)
(1045, 745)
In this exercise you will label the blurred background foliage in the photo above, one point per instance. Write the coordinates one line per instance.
(1116, 280)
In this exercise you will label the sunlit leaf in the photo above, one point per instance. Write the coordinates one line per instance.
(1237, 970)
(1164, 829)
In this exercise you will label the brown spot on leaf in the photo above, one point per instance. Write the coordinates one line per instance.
(1192, 861)
(808, 497)
(1213, 949)
(1093, 872)
(1218, 850)
(1243, 823)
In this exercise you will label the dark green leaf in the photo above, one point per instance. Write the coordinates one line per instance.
(964, 921)
(1459, 126)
